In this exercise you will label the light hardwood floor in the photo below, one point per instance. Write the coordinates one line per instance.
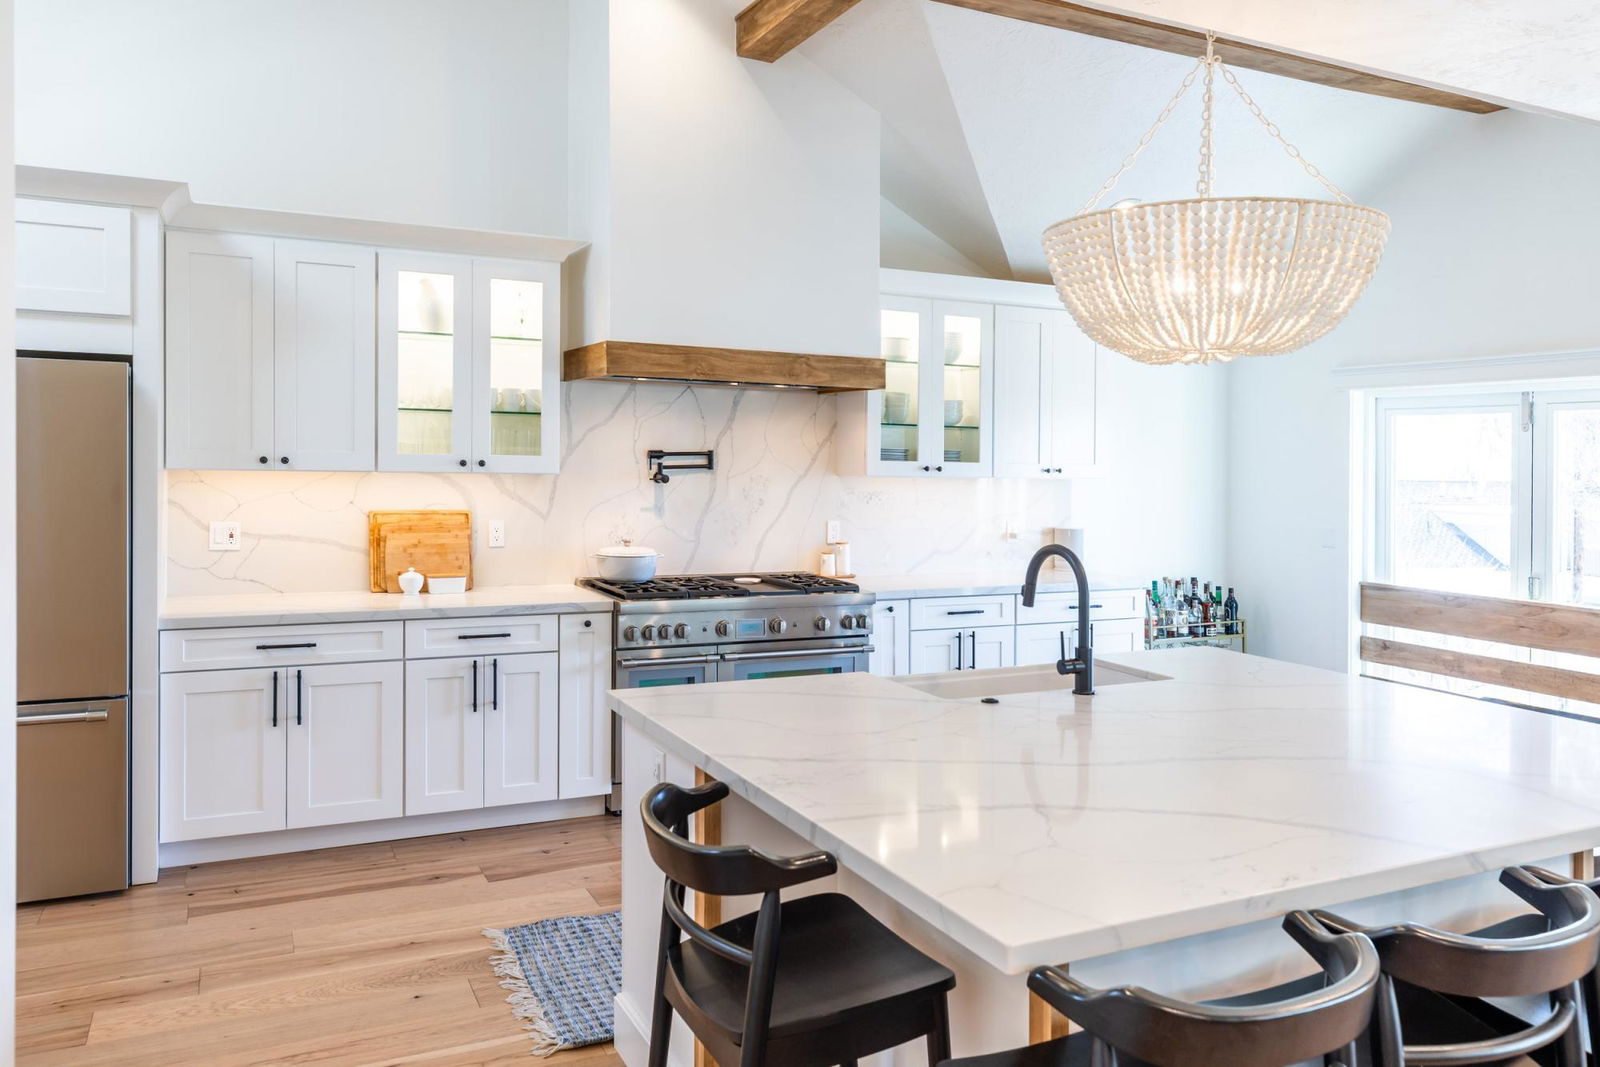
(369, 954)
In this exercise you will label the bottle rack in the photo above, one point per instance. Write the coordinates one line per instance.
(1214, 635)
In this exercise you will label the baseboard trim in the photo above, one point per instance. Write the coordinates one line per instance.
(212, 850)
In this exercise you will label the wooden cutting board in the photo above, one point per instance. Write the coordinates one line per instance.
(436, 543)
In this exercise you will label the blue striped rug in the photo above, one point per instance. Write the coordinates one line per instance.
(562, 975)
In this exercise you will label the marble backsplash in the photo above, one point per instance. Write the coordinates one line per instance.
(763, 508)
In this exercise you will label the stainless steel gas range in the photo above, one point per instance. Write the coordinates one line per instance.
(693, 629)
(696, 629)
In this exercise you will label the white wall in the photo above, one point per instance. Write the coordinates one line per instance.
(407, 110)
(1496, 228)
(906, 244)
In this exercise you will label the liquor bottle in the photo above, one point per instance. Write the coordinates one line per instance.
(1230, 611)
(1195, 627)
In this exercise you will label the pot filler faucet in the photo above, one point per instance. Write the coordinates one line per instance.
(1082, 661)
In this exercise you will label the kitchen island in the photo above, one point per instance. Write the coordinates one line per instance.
(1152, 833)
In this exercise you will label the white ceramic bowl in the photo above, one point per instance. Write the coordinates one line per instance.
(626, 563)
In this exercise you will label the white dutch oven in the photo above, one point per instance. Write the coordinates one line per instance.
(627, 563)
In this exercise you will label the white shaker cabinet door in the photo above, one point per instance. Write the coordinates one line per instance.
(1041, 642)
(444, 735)
(219, 351)
(74, 258)
(891, 638)
(324, 339)
(585, 712)
(222, 753)
(520, 728)
(346, 730)
(932, 651)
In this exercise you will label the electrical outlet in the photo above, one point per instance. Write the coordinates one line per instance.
(833, 532)
(225, 537)
(658, 766)
(497, 533)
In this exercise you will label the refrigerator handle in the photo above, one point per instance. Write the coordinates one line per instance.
(87, 715)
(274, 700)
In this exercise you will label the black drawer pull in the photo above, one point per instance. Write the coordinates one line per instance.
(968, 611)
(269, 648)
(478, 637)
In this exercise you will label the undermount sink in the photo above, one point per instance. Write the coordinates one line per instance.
(1011, 681)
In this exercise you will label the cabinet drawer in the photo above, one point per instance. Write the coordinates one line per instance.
(935, 613)
(275, 646)
(494, 636)
(1103, 604)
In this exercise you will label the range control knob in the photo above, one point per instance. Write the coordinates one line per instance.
(822, 623)
(848, 622)
(862, 622)
(649, 633)
(680, 631)
(630, 633)
(778, 626)
(723, 629)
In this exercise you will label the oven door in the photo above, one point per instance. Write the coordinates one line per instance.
(787, 661)
(648, 668)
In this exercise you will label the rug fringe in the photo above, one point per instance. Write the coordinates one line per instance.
(524, 1004)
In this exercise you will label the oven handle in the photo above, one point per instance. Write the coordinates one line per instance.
(665, 661)
(730, 657)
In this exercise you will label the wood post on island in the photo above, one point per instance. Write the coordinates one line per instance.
(707, 830)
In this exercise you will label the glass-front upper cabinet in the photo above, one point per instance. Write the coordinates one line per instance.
(933, 415)
(463, 367)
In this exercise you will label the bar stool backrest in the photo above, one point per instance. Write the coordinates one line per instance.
(1174, 1033)
(1464, 965)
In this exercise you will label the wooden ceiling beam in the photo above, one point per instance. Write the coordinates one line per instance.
(1064, 15)
(768, 29)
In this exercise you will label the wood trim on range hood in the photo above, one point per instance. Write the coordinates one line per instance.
(640, 361)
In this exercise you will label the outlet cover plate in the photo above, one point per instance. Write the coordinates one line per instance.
(497, 533)
(225, 536)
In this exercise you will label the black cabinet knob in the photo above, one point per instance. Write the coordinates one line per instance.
(463, 463)
(924, 468)
(588, 623)
(283, 459)
(483, 463)
(938, 468)
(264, 459)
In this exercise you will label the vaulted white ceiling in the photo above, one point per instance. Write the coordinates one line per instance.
(994, 128)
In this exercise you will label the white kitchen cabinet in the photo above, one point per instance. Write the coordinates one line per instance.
(346, 743)
(323, 357)
(1044, 389)
(73, 258)
(269, 354)
(444, 735)
(975, 648)
(469, 353)
(1041, 642)
(223, 738)
(891, 638)
(934, 416)
(585, 742)
(219, 351)
(520, 728)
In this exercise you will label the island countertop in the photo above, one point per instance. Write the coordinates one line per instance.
(1050, 828)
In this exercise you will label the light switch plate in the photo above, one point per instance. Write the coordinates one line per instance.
(497, 533)
(225, 537)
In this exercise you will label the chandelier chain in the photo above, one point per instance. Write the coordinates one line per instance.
(1277, 134)
(1207, 159)
(1144, 142)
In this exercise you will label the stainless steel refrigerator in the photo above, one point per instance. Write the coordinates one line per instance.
(72, 624)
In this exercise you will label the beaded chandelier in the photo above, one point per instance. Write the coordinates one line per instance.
(1208, 279)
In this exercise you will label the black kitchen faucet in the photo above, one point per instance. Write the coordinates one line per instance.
(1082, 661)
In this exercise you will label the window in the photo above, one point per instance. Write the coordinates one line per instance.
(1493, 493)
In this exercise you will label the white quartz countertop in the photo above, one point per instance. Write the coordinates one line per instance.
(1050, 828)
(981, 583)
(267, 609)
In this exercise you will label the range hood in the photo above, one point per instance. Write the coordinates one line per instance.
(637, 361)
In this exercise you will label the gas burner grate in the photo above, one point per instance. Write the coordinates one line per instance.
(676, 588)
(806, 582)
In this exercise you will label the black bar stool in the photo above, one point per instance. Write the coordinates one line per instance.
(1321, 1017)
(1430, 1003)
(811, 981)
